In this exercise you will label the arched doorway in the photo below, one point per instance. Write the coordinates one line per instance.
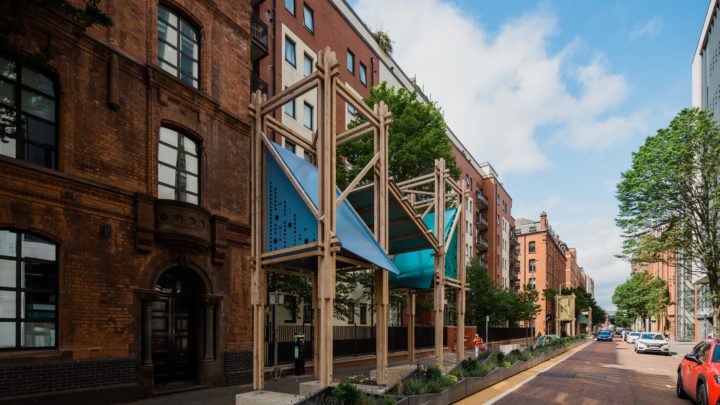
(175, 327)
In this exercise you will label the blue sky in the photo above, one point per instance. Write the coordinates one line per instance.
(555, 94)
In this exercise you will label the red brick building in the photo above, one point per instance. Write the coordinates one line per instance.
(124, 216)
(542, 265)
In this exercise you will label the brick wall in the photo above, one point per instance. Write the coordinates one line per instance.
(238, 367)
(17, 380)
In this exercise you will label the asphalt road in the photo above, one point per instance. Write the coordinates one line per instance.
(603, 373)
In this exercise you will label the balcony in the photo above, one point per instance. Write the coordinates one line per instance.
(482, 223)
(182, 225)
(514, 275)
(482, 244)
(256, 83)
(259, 31)
(482, 201)
(513, 238)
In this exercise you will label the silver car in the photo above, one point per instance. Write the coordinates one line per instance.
(632, 336)
(652, 342)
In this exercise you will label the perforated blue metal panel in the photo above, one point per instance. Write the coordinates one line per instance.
(289, 221)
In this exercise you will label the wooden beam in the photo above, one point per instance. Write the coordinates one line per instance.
(424, 177)
(283, 130)
(353, 133)
(357, 179)
(290, 93)
(290, 258)
(439, 260)
(348, 94)
(312, 245)
(452, 230)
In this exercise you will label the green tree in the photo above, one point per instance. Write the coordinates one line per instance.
(417, 138)
(642, 296)
(669, 199)
(622, 319)
(481, 295)
(16, 13)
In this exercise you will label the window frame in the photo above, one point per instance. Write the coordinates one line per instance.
(307, 9)
(362, 74)
(532, 266)
(307, 58)
(294, 110)
(294, 7)
(351, 314)
(178, 48)
(350, 57)
(19, 290)
(285, 52)
(531, 246)
(198, 156)
(307, 106)
(21, 144)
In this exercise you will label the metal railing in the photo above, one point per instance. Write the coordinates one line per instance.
(259, 30)
(482, 223)
(256, 83)
(482, 200)
(481, 243)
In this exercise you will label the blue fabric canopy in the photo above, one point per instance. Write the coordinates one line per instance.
(417, 268)
(290, 223)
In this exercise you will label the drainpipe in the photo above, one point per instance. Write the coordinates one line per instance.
(372, 71)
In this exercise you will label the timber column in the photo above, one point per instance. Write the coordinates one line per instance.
(462, 206)
(382, 288)
(259, 277)
(438, 279)
(327, 66)
(411, 325)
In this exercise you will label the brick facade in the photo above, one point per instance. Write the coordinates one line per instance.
(99, 206)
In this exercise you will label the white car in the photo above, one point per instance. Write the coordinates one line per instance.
(652, 342)
(632, 337)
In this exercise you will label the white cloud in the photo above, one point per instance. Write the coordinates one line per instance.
(499, 90)
(648, 29)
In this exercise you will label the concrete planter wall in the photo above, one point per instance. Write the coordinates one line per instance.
(471, 385)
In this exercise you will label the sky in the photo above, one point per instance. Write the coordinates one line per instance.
(555, 94)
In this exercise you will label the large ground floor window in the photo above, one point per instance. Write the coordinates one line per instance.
(28, 291)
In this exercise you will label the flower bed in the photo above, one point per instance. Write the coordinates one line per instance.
(428, 385)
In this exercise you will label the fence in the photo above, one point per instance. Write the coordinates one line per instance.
(349, 341)
(503, 333)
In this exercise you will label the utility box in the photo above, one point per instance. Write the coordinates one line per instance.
(299, 353)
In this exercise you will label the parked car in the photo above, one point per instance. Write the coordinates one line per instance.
(632, 336)
(698, 375)
(605, 335)
(652, 342)
(543, 340)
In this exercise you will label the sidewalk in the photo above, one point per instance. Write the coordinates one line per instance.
(287, 384)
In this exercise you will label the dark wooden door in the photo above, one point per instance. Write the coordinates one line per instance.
(173, 334)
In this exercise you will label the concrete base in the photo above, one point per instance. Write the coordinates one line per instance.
(394, 374)
(267, 398)
(310, 387)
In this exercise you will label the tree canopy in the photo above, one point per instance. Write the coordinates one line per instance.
(13, 23)
(642, 296)
(484, 298)
(669, 199)
(417, 137)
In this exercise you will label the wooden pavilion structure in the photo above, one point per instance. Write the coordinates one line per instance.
(327, 252)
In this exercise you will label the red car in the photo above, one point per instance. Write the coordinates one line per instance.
(699, 373)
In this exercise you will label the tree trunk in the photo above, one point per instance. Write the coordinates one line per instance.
(716, 319)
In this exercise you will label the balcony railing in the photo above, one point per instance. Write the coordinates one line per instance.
(481, 200)
(256, 83)
(482, 244)
(259, 31)
(481, 223)
(513, 238)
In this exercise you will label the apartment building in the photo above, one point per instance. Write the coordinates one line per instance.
(124, 189)
(542, 265)
(573, 276)
(498, 239)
